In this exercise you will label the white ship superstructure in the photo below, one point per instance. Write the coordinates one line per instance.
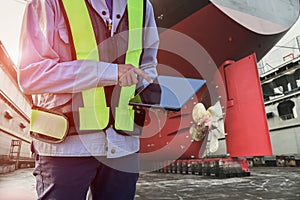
(280, 79)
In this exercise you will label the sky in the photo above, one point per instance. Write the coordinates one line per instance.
(285, 50)
(293, 32)
(11, 13)
(290, 35)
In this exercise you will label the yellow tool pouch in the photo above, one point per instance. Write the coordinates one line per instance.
(48, 126)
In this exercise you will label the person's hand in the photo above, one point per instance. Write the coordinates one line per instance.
(127, 75)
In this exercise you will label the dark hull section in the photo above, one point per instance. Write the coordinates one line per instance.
(171, 12)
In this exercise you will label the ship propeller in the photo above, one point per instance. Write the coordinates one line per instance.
(208, 126)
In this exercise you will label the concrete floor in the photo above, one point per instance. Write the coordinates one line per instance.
(17, 185)
(264, 183)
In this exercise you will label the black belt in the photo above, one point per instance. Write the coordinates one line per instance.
(73, 119)
(70, 116)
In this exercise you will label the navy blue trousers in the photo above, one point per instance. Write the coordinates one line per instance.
(63, 178)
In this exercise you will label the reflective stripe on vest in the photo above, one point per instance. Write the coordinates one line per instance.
(95, 113)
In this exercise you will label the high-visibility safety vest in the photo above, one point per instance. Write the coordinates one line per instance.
(95, 114)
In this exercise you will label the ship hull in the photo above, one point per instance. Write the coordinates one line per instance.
(195, 40)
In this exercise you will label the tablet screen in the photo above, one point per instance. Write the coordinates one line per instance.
(167, 92)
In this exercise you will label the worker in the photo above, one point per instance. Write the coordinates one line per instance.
(84, 60)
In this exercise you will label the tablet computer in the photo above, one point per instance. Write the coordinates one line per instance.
(167, 92)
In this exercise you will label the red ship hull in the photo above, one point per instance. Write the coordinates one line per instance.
(195, 45)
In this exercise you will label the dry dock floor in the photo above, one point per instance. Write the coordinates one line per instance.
(264, 183)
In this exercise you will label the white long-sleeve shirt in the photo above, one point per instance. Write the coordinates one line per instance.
(47, 72)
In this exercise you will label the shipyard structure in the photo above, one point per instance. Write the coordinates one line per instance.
(14, 118)
(280, 79)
